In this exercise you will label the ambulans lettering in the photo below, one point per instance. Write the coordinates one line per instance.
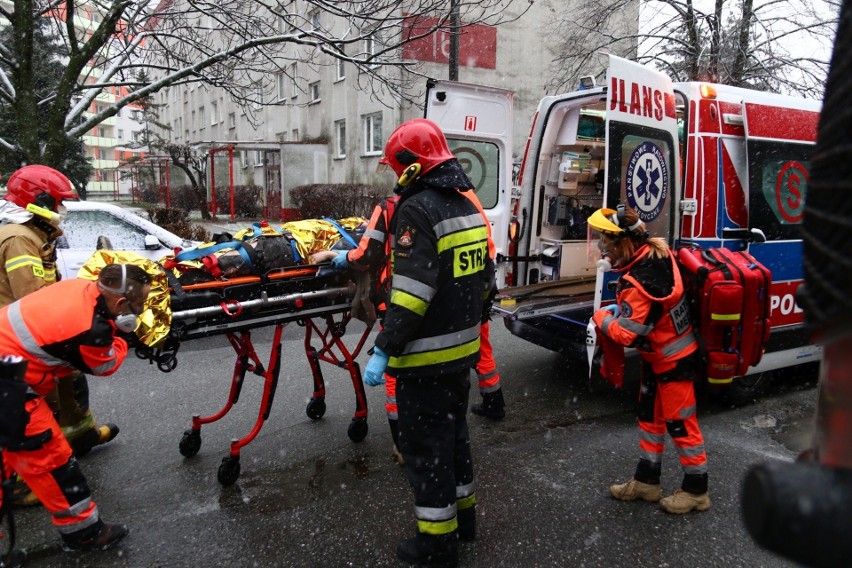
(680, 317)
(647, 181)
(644, 100)
(470, 259)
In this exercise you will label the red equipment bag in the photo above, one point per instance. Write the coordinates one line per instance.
(729, 298)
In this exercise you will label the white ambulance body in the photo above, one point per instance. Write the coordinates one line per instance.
(708, 164)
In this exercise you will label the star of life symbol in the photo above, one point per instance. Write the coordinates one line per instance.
(647, 181)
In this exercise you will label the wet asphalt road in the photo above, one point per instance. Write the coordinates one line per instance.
(309, 497)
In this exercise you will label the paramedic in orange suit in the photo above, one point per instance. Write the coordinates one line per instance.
(56, 336)
(647, 294)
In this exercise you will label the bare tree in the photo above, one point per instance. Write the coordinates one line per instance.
(781, 45)
(136, 48)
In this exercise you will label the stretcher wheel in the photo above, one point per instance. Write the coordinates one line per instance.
(167, 364)
(315, 409)
(357, 429)
(229, 471)
(190, 443)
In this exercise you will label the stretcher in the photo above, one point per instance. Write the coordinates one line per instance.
(314, 297)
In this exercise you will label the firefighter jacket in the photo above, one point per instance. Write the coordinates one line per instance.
(27, 261)
(60, 328)
(654, 314)
(374, 251)
(441, 273)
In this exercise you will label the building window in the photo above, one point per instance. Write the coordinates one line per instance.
(294, 86)
(214, 113)
(341, 67)
(281, 85)
(258, 95)
(314, 90)
(373, 45)
(373, 134)
(281, 136)
(201, 116)
(314, 19)
(232, 120)
(244, 161)
(295, 135)
(120, 134)
(340, 138)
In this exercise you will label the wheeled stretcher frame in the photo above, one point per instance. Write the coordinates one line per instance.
(276, 299)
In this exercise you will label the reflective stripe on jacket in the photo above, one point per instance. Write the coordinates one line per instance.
(59, 328)
(375, 249)
(26, 262)
(656, 323)
(441, 267)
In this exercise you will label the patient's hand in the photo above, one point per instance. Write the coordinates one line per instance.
(322, 256)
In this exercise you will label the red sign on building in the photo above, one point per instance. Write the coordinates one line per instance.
(477, 43)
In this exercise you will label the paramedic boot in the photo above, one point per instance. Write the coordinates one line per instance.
(692, 495)
(99, 536)
(430, 550)
(683, 502)
(634, 489)
(13, 559)
(467, 524)
(492, 405)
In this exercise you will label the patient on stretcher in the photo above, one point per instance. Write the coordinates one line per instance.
(261, 248)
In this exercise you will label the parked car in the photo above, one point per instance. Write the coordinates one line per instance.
(85, 221)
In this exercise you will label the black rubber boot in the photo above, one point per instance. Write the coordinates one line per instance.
(467, 524)
(430, 550)
(492, 406)
(101, 434)
(99, 536)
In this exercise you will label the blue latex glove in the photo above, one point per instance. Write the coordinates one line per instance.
(374, 372)
(340, 261)
(613, 309)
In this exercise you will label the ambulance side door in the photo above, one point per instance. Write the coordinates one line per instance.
(477, 122)
(642, 169)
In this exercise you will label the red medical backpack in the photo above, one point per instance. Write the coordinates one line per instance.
(729, 299)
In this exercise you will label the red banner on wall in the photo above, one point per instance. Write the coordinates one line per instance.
(477, 43)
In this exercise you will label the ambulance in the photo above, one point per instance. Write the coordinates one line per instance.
(704, 164)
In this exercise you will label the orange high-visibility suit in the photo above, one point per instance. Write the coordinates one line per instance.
(653, 318)
(57, 329)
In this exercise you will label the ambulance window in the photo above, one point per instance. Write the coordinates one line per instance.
(481, 163)
(779, 174)
(640, 174)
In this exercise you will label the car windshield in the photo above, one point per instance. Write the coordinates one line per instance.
(81, 230)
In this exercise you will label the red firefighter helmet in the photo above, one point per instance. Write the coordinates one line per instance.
(41, 185)
(417, 141)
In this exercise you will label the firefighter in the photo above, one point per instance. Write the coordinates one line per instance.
(55, 335)
(374, 251)
(430, 340)
(28, 263)
(647, 316)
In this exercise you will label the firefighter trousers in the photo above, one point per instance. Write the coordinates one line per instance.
(44, 460)
(435, 442)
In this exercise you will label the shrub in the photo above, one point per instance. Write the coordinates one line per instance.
(336, 200)
(247, 201)
(176, 220)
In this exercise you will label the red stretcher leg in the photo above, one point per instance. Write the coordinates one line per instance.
(335, 352)
(247, 360)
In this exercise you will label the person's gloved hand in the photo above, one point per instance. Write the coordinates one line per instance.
(374, 372)
(340, 261)
(613, 309)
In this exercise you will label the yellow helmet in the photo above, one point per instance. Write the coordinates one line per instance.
(602, 221)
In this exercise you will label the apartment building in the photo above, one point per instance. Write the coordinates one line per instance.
(321, 102)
